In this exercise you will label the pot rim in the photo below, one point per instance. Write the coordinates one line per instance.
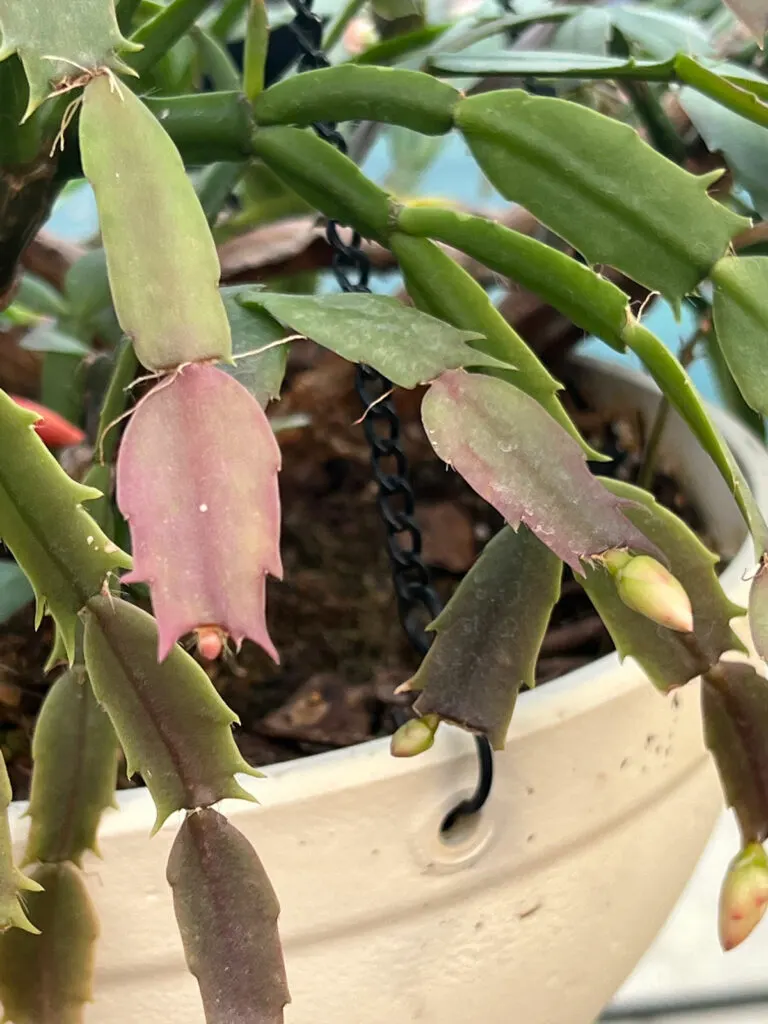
(572, 694)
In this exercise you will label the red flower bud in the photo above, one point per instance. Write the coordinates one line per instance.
(52, 429)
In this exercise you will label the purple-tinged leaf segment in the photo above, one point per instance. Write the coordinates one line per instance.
(46, 978)
(522, 462)
(175, 729)
(439, 286)
(227, 913)
(758, 609)
(197, 482)
(64, 554)
(59, 40)
(74, 749)
(161, 259)
(667, 657)
(753, 14)
(743, 896)
(489, 635)
(734, 701)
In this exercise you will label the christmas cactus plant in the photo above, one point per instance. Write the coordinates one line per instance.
(186, 456)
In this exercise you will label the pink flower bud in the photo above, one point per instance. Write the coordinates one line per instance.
(359, 35)
(645, 586)
(210, 642)
(414, 736)
(744, 896)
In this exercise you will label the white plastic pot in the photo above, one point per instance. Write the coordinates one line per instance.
(535, 913)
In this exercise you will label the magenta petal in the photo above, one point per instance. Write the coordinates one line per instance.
(197, 482)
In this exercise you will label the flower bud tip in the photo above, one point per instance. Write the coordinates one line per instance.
(744, 896)
(645, 586)
(414, 736)
(210, 642)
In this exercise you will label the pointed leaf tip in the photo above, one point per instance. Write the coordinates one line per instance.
(12, 882)
(594, 182)
(56, 43)
(409, 347)
(60, 548)
(514, 454)
(174, 727)
(199, 444)
(489, 636)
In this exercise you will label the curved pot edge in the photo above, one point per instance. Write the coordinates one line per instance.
(563, 698)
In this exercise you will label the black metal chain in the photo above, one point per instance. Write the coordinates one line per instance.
(418, 603)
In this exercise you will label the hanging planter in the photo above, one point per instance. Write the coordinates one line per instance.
(410, 889)
(603, 800)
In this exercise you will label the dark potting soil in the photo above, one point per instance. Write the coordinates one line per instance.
(334, 616)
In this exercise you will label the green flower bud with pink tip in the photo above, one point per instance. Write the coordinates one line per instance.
(414, 736)
(645, 586)
(744, 896)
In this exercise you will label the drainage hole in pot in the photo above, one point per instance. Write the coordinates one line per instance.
(448, 840)
(456, 828)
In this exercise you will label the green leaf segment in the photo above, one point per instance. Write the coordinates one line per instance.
(589, 179)
(539, 152)
(61, 42)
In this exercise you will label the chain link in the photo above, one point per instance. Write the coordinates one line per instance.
(418, 603)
